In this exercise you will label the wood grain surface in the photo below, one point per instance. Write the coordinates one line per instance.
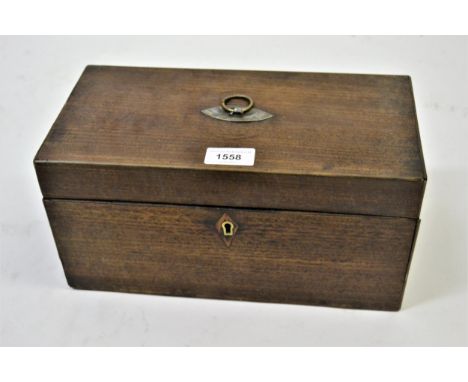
(338, 142)
(382, 197)
(276, 256)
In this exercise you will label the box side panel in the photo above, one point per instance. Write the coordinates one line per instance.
(370, 196)
(418, 133)
(275, 256)
(415, 237)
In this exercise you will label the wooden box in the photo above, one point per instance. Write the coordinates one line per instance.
(326, 215)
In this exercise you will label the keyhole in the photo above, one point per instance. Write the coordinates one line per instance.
(227, 228)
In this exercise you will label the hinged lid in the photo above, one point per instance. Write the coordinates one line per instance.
(341, 143)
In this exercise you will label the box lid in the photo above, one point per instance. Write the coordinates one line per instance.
(342, 143)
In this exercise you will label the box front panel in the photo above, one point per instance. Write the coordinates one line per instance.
(240, 254)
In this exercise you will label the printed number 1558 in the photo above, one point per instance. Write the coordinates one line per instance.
(229, 156)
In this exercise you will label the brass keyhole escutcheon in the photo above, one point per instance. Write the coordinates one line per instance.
(228, 228)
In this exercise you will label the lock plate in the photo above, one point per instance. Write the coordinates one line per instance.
(227, 229)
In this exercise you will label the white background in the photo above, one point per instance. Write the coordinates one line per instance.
(38, 308)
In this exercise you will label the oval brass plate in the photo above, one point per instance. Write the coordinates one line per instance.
(253, 115)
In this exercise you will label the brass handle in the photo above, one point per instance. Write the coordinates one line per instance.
(237, 109)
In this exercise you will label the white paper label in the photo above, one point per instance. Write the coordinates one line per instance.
(230, 156)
